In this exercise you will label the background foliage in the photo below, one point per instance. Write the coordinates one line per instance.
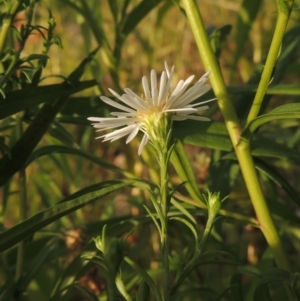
(60, 187)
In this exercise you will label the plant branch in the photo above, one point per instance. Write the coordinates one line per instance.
(274, 51)
(234, 129)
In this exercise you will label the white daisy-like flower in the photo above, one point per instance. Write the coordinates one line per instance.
(139, 111)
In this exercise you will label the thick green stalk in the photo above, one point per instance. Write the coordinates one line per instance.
(234, 130)
(282, 20)
(263, 214)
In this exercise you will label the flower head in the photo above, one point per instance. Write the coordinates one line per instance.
(143, 113)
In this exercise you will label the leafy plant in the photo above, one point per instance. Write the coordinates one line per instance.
(86, 220)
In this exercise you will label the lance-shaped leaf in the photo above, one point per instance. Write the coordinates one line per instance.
(86, 196)
(61, 149)
(184, 169)
(19, 100)
(138, 14)
(289, 111)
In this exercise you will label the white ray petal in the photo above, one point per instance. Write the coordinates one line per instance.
(94, 118)
(187, 83)
(124, 98)
(113, 122)
(115, 104)
(199, 109)
(201, 103)
(143, 143)
(168, 69)
(133, 133)
(121, 114)
(199, 118)
(154, 91)
(170, 76)
(162, 88)
(119, 133)
(178, 117)
(105, 129)
(115, 94)
(181, 91)
(146, 89)
(136, 99)
(204, 77)
(180, 110)
(175, 94)
(191, 96)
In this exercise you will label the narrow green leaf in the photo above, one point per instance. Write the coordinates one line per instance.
(19, 100)
(217, 256)
(60, 293)
(81, 198)
(146, 277)
(189, 225)
(138, 14)
(61, 149)
(289, 111)
(246, 17)
(264, 147)
(184, 169)
(154, 220)
(80, 70)
(4, 149)
(184, 211)
(274, 176)
(218, 37)
(272, 90)
(225, 291)
(88, 294)
(275, 274)
(113, 5)
(206, 134)
(78, 109)
(57, 131)
(236, 282)
(290, 46)
(262, 293)
(37, 262)
(222, 173)
(143, 293)
(214, 135)
(71, 272)
(121, 287)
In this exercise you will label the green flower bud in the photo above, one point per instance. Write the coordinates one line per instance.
(213, 203)
(99, 243)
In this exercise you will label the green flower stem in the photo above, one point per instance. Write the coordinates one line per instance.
(213, 207)
(284, 10)
(234, 130)
(158, 128)
(163, 161)
(208, 227)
